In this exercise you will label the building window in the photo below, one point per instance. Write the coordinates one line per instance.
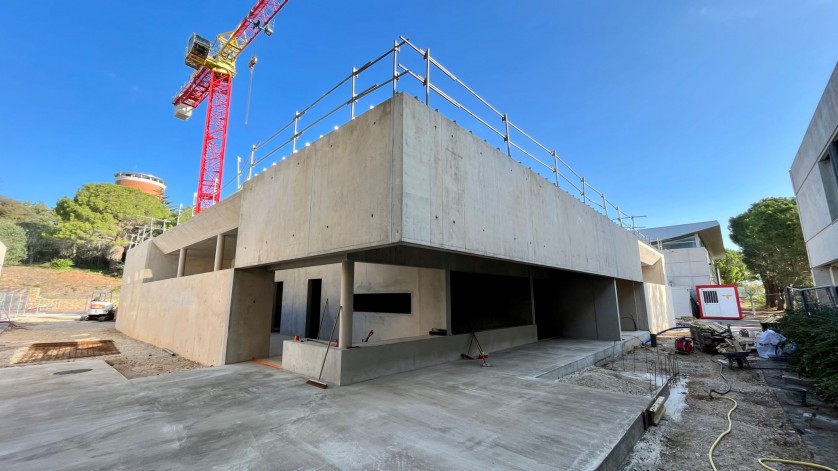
(687, 242)
(391, 303)
(828, 167)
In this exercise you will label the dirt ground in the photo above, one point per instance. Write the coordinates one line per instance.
(693, 420)
(136, 359)
(57, 283)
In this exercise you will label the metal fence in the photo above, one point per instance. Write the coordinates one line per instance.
(406, 68)
(811, 298)
(12, 303)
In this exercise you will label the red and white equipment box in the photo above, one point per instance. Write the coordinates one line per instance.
(718, 302)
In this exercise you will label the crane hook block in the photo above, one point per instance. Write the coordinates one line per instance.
(253, 61)
(183, 111)
(197, 51)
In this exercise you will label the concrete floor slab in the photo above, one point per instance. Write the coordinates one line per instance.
(248, 416)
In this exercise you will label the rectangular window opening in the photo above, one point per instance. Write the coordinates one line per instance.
(391, 303)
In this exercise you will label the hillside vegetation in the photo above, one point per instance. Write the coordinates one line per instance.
(68, 283)
(91, 230)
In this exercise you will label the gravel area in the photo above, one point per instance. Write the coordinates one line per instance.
(693, 420)
(135, 359)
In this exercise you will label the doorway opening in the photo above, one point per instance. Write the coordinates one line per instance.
(276, 321)
(315, 288)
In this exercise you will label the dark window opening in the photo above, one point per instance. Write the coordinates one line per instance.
(391, 303)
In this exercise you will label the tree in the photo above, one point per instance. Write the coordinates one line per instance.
(99, 219)
(38, 221)
(732, 269)
(772, 244)
(14, 238)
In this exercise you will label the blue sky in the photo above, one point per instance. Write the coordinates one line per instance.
(681, 111)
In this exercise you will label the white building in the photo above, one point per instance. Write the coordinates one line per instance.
(689, 251)
(814, 176)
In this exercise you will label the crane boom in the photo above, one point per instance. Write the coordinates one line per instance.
(215, 67)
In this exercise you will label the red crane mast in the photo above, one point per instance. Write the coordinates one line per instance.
(215, 66)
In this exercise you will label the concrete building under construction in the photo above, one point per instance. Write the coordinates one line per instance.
(400, 234)
(405, 222)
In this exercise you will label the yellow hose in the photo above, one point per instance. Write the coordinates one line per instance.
(761, 461)
(799, 463)
(729, 428)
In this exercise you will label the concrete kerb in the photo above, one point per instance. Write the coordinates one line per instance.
(629, 339)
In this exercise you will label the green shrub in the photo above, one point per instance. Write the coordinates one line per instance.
(14, 238)
(61, 264)
(816, 336)
(117, 269)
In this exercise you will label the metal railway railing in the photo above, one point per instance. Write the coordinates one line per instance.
(411, 62)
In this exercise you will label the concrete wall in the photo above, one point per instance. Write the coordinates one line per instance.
(427, 289)
(461, 194)
(251, 308)
(820, 230)
(587, 307)
(661, 313)
(338, 194)
(294, 298)
(403, 173)
(194, 316)
(631, 300)
(146, 262)
(689, 267)
(370, 361)
(219, 219)
(426, 286)
(188, 315)
(655, 273)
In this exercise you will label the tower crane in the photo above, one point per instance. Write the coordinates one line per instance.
(215, 66)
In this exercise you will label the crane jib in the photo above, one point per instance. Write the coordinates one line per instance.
(226, 50)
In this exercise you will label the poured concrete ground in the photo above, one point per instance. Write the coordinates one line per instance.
(248, 416)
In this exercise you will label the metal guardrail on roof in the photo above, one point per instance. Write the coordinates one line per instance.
(312, 122)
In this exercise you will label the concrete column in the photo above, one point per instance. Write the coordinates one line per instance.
(181, 262)
(347, 302)
(219, 252)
